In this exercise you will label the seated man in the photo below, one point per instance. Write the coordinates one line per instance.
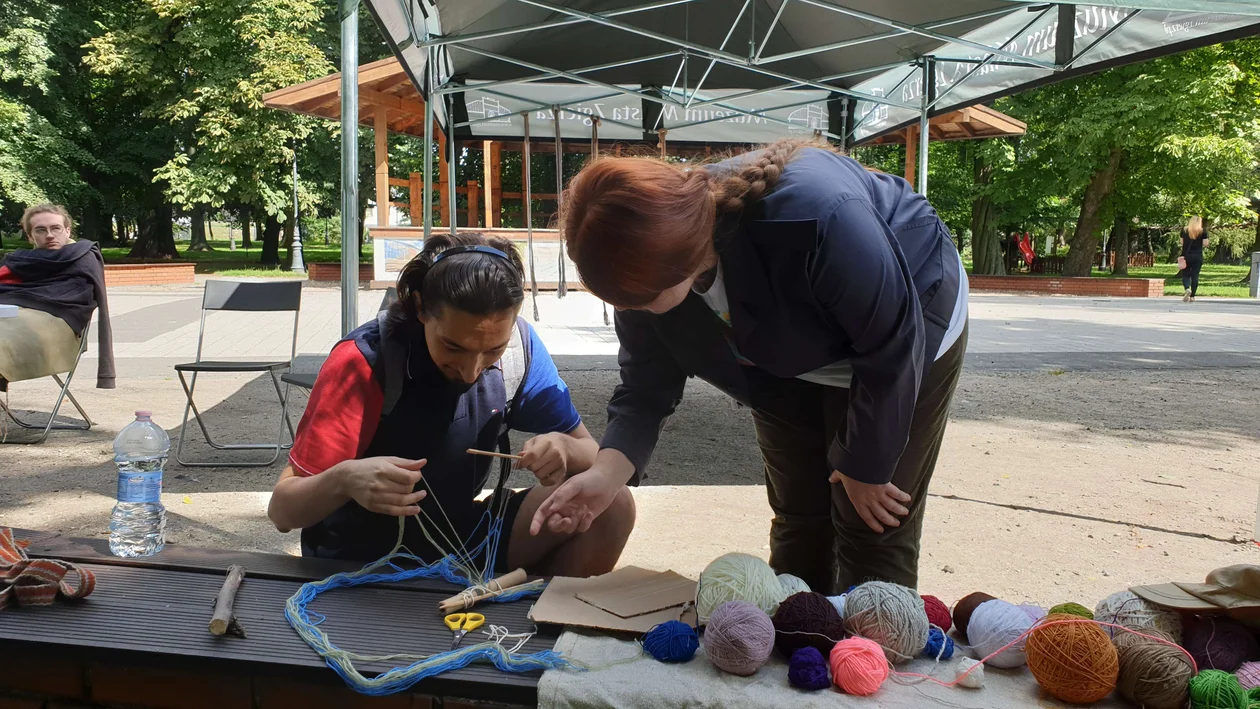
(400, 401)
(56, 286)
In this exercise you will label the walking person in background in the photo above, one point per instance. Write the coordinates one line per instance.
(1194, 237)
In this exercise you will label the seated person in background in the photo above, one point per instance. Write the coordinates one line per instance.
(56, 286)
(400, 400)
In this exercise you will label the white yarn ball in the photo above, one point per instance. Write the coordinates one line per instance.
(891, 615)
(973, 679)
(838, 602)
(1034, 611)
(1130, 610)
(995, 624)
(738, 577)
(793, 584)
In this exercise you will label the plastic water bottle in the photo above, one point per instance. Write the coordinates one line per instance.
(138, 524)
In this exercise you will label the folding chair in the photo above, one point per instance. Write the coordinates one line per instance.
(241, 296)
(62, 395)
(306, 380)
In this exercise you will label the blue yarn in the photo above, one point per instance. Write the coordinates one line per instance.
(808, 670)
(936, 640)
(397, 679)
(672, 641)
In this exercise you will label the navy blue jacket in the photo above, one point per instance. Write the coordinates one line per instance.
(835, 263)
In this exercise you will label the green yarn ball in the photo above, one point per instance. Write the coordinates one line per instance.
(1253, 698)
(1214, 689)
(1072, 609)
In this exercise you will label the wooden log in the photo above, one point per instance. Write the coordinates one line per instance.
(223, 622)
(496, 587)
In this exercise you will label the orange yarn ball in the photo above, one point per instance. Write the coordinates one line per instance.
(1073, 660)
(858, 666)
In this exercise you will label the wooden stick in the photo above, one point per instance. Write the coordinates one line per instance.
(496, 586)
(492, 454)
(223, 621)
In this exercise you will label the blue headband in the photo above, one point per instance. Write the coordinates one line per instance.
(478, 249)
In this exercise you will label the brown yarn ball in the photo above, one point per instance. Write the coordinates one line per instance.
(965, 607)
(1074, 660)
(1154, 675)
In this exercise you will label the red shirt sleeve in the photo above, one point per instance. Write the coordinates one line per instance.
(8, 276)
(342, 414)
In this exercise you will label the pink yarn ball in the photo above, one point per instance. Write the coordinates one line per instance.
(1249, 675)
(738, 638)
(858, 666)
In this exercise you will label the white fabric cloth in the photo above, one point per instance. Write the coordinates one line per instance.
(643, 683)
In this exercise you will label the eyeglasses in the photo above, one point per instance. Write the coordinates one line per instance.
(56, 230)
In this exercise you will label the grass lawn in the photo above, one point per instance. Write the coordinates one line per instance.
(1214, 280)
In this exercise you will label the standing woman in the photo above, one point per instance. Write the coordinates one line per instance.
(1194, 237)
(827, 298)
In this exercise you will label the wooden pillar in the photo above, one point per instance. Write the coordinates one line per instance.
(912, 152)
(492, 169)
(380, 126)
(660, 137)
(444, 202)
(415, 195)
(473, 198)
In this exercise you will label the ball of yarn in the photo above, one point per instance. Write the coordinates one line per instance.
(1214, 689)
(970, 673)
(1154, 675)
(858, 666)
(808, 669)
(1034, 612)
(937, 612)
(1072, 609)
(965, 607)
(889, 614)
(1136, 613)
(1072, 659)
(738, 577)
(1220, 644)
(995, 624)
(806, 620)
(838, 602)
(672, 641)
(738, 638)
(1253, 697)
(1248, 675)
(939, 645)
(793, 584)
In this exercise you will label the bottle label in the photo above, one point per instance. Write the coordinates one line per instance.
(140, 487)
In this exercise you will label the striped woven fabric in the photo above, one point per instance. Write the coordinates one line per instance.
(36, 582)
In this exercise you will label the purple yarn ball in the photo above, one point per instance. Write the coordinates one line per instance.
(808, 670)
(1220, 644)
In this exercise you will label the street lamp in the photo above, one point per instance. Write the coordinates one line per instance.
(298, 266)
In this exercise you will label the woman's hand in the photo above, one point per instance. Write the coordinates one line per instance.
(383, 484)
(547, 457)
(876, 504)
(574, 505)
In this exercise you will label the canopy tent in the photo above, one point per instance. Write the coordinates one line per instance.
(701, 70)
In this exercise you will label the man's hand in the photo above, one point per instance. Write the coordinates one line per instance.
(574, 505)
(878, 505)
(547, 457)
(383, 484)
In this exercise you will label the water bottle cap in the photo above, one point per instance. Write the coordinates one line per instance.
(144, 415)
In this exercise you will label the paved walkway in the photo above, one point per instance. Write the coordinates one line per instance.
(154, 328)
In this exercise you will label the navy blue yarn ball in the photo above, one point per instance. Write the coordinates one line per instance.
(672, 641)
(808, 670)
(936, 639)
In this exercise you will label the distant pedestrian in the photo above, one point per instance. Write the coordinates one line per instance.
(1194, 237)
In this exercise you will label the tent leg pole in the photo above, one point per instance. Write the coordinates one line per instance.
(595, 156)
(529, 216)
(349, 165)
(924, 130)
(450, 172)
(561, 286)
(428, 147)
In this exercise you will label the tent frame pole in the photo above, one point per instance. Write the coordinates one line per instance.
(428, 148)
(450, 175)
(561, 286)
(349, 165)
(925, 132)
(529, 215)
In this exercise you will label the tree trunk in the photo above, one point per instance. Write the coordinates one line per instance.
(107, 229)
(986, 243)
(1222, 254)
(245, 228)
(197, 240)
(155, 237)
(1080, 258)
(1120, 245)
(258, 230)
(271, 242)
(90, 224)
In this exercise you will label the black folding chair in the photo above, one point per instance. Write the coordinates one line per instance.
(242, 296)
(62, 395)
(306, 380)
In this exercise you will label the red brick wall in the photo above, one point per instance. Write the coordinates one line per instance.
(1106, 287)
(62, 680)
(147, 274)
(332, 272)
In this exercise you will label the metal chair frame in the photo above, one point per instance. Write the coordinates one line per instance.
(62, 395)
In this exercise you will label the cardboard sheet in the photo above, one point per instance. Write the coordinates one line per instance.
(627, 593)
(560, 605)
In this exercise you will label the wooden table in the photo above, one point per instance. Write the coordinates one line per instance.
(140, 640)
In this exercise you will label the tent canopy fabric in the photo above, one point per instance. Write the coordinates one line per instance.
(712, 70)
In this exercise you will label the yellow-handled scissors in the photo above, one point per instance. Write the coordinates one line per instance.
(461, 623)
